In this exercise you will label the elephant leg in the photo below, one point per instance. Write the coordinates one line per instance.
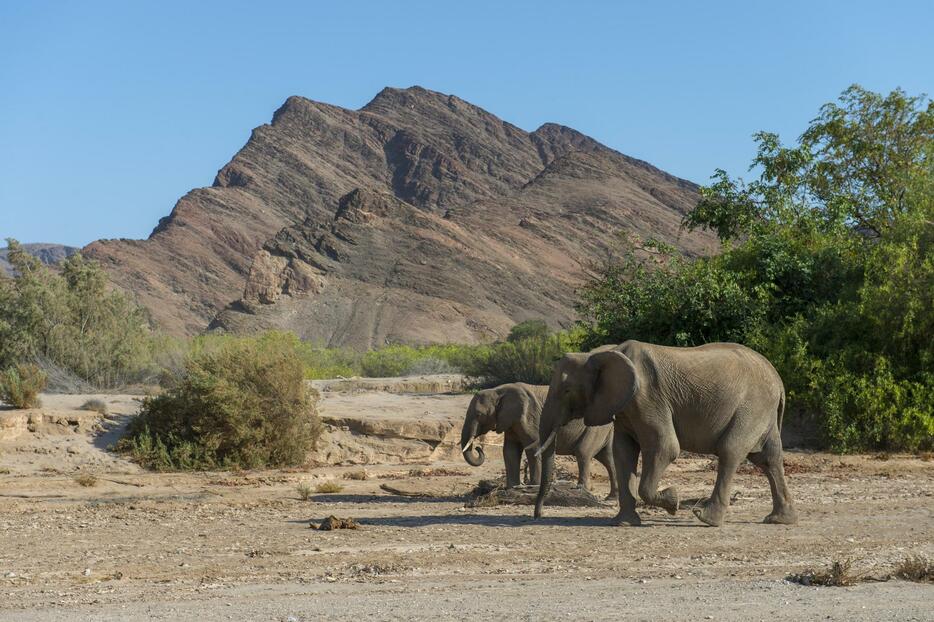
(583, 471)
(535, 467)
(657, 454)
(605, 457)
(711, 511)
(512, 456)
(626, 457)
(771, 461)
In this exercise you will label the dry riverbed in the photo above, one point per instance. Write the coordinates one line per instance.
(235, 546)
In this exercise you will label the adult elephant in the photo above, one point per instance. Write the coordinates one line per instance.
(720, 398)
(514, 410)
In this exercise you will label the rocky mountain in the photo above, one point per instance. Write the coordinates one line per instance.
(418, 218)
(49, 254)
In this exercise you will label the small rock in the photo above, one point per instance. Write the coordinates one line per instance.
(333, 522)
(87, 572)
(10, 575)
(72, 449)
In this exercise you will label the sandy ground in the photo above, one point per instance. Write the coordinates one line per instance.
(237, 546)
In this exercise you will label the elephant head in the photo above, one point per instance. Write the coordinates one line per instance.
(594, 386)
(491, 410)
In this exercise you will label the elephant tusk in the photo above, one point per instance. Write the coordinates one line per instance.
(548, 441)
(467, 447)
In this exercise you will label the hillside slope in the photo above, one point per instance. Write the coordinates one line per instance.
(419, 217)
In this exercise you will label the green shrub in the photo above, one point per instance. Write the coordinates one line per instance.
(392, 360)
(528, 360)
(241, 405)
(317, 362)
(21, 384)
(402, 360)
(527, 330)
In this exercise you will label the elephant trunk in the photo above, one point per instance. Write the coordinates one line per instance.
(473, 454)
(547, 432)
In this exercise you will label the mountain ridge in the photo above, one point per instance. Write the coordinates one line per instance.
(436, 154)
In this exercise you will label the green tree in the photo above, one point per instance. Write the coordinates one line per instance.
(828, 269)
(70, 319)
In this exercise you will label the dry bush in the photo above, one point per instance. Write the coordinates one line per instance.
(915, 568)
(926, 456)
(95, 405)
(328, 487)
(304, 490)
(86, 480)
(244, 405)
(21, 384)
(838, 575)
(359, 475)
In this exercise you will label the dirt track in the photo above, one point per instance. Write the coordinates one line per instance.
(237, 546)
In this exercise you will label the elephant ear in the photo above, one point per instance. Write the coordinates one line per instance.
(615, 383)
(513, 403)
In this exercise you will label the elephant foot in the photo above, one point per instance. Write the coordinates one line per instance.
(611, 497)
(710, 513)
(784, 516)
(668, 499)
(626, 519)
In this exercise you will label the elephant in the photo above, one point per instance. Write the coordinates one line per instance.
(720, 398)
(514, 410)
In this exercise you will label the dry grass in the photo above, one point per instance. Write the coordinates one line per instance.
(86, 480)
(926, 456)
(98, 406)
(304, 490)
(915, 568)
(359, 475)
(437, 472)
(838, 575)
(328, 487)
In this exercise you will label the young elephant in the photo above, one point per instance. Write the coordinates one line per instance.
(514, 410)
(720, 398)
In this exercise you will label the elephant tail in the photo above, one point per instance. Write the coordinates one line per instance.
(781, 409)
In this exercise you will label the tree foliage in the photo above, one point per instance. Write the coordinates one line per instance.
(69, 319)
(828, 269)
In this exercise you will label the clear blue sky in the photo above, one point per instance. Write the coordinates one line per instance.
(110, 111)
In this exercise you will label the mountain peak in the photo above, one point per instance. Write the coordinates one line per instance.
(412, 219)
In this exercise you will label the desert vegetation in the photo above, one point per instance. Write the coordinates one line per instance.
(20, 385)
(73, 325)
(242, 405)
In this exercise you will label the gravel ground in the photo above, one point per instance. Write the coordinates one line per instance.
(234, 546)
